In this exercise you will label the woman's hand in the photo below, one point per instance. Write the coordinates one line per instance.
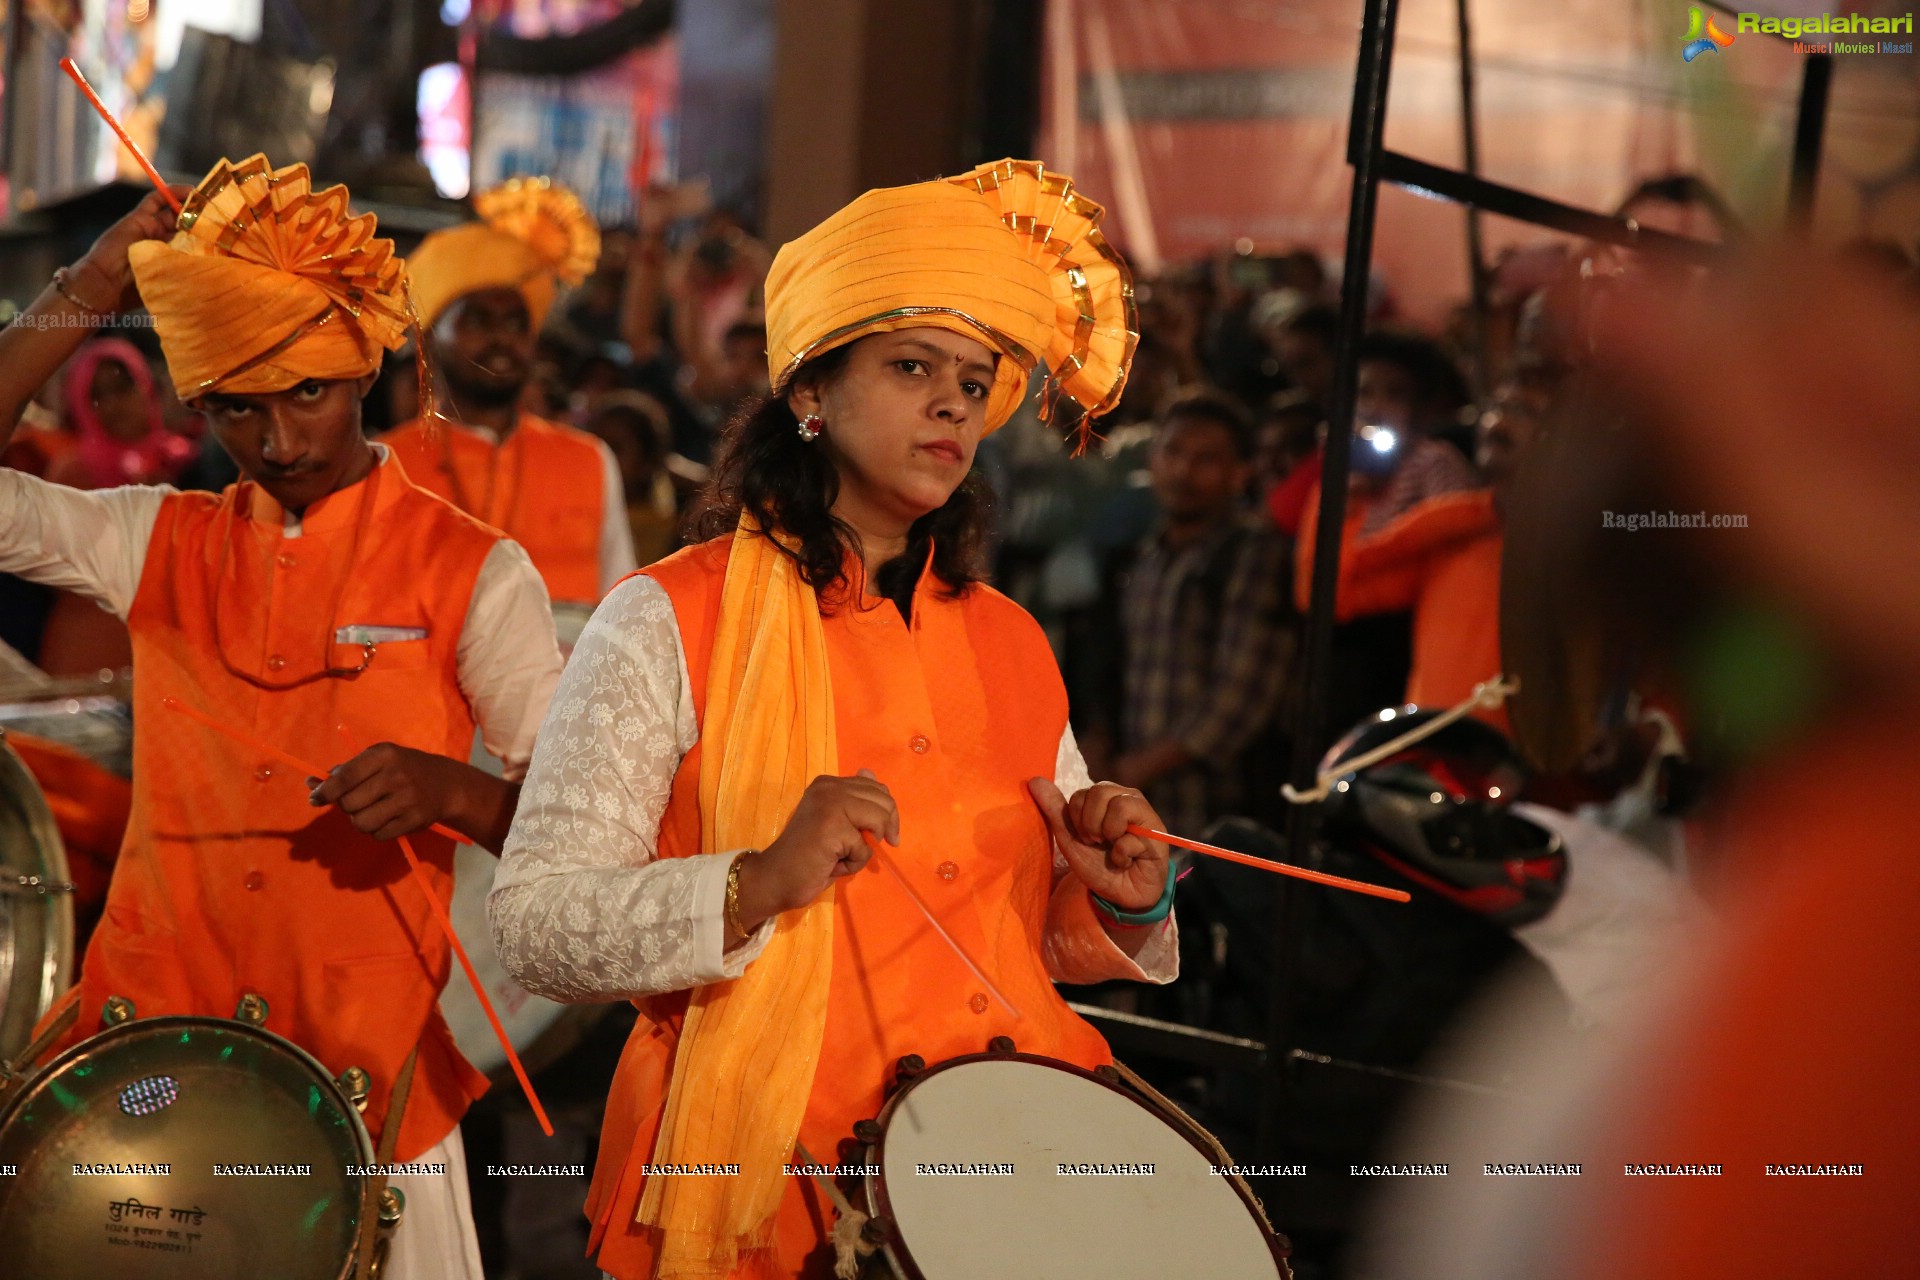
(103, 278)
(1091, 831)
(824, 840)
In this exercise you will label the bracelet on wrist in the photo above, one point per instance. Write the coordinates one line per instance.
(1139, 919)
(732, 913)
(63, 285)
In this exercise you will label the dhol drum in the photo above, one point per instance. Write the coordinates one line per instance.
(569, 620)
(1009, 1164)
(540, 1029)
(98, 726)
(36, 906)
(173, 1148)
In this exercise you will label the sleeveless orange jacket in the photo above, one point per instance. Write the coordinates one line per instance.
(230, 881)
(953, 713)
(542, 487)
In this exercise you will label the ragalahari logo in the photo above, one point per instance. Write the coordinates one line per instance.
(1703, 34)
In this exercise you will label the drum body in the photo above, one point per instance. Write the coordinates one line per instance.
(1017, 1165)
(541, 1030)
(99, 727)
(36, 906)
(174, 1148)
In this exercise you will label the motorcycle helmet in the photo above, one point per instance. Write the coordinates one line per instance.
(1439, 813)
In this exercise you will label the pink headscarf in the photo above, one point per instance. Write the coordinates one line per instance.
(154, 458)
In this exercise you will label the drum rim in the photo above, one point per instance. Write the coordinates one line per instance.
(34, 1084)
(880, 1205)
(56, 963)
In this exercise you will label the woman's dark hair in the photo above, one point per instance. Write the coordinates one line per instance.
(765, 468)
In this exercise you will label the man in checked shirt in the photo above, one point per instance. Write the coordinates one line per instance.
(1206, 624)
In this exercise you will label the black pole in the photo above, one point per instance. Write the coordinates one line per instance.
(1291, 913)
(1816, 83)
(1476, 251)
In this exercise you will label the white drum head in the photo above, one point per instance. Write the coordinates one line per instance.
(951, 1136)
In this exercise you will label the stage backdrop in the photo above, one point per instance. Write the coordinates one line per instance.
(1210, 121)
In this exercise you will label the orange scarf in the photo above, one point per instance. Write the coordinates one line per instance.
(744, 1067)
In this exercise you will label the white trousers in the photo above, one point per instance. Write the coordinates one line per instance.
(435, 1239)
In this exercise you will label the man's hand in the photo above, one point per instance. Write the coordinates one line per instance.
(390, 791)
(1091, 831)
(103, 278)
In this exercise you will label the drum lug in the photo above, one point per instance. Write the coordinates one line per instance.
(905, 1071)
(117, 1010)
(356, 1084)
(251, 1010)
(852, 1151)
(878, 1231)
(393, 1204)
(1001, 1044)
(867, 1131)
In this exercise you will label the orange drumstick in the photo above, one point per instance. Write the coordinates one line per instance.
(420, 878)
(1299, 873)
(880, 856)
(500, 1032)
(133, 148)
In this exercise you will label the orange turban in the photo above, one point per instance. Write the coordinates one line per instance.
(268, 283)
(1009, 254)
(531, 233)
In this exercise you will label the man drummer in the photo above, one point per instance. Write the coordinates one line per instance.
(482, 290)
(323, 606)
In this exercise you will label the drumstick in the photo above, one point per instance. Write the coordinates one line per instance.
(420, 878)
(880, 856)
(1282, 868)
(486, 1005)
(133, 148)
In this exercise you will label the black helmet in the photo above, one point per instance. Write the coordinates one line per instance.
(1438, 813)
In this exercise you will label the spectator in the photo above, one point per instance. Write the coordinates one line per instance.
(1206, 631)
(1304, 345)
(635, 427)
(1285, 438)
(1441, 560)
(114, 412)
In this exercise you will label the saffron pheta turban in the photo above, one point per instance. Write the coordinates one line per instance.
(531, 234)
(268, 283)
(1009, 254)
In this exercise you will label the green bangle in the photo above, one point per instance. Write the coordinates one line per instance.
(1139, 919)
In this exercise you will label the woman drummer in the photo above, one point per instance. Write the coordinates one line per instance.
(826, 675)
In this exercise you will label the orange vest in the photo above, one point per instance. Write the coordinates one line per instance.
(954, 714)
(230, 881)
(1441, 559)
(542, 488)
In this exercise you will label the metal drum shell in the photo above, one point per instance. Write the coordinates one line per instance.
(36, 931)
(203, 1058)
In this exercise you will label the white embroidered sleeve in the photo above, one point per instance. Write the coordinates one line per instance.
(1076, 945)
(581, 908)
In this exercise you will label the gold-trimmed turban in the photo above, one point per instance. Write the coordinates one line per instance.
(531, 234)
(267, 283)
(1009, 254)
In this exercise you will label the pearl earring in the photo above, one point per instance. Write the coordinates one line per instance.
(810, 427)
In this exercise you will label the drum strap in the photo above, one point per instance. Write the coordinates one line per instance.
(377, 1184)
(850, 1244)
